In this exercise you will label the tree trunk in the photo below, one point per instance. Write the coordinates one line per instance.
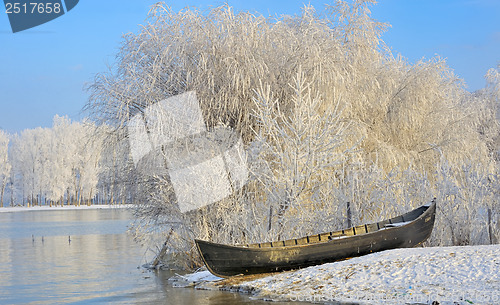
(162, 252)
(490, 228)
(270, 218)
(1, 194)
(349, 215)
(11, 193)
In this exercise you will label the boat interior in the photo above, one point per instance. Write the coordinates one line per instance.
(356, 230)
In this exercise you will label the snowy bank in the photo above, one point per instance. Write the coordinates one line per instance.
(66, 207)
(448, 275)
(193, 279)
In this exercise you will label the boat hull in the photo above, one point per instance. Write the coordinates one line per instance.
(227, 260)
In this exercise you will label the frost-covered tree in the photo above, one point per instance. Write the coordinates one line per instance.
(403, 111)
(406, 120)
(117, 177)
(76, 154)
(28, 163)
(82, 145)
(5, 166)
(90, 155)
(299, 153)
(63, 152)
(486, 103)
(57, 165)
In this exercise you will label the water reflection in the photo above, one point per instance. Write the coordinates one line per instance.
(39, 265)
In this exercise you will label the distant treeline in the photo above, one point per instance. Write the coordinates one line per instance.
(68, 163)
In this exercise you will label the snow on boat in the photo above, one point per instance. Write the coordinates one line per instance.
(404, 231)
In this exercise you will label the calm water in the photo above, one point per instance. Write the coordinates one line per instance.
(40, 265)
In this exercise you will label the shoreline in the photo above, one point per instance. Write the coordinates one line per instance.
(458, 275)
(14, 209)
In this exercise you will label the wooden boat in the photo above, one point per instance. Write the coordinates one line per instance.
(404, 231)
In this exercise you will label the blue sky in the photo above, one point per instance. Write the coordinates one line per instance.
(44, 69)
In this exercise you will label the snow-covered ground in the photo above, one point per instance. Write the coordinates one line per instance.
(66, 207)
(448, 275)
